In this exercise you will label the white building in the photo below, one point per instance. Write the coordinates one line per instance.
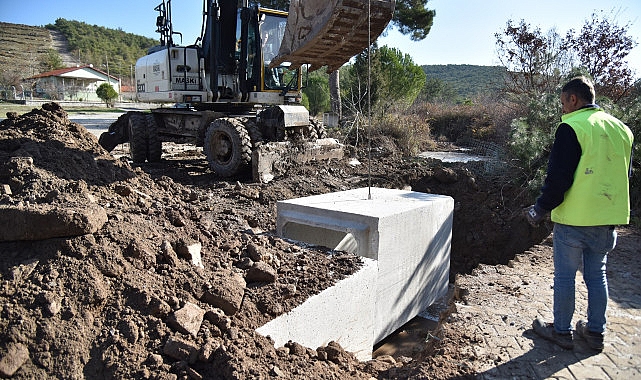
(71, 83)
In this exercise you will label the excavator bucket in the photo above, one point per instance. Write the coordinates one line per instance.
(330, 32)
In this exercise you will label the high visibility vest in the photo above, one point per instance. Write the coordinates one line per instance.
(600, 192)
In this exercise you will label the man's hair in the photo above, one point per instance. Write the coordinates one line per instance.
(581, 87)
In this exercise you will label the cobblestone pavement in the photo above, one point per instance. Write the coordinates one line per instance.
(500, 303)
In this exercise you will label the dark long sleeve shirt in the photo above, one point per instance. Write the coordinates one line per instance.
(564, 159)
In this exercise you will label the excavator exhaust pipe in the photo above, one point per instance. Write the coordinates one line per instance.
(329, 33)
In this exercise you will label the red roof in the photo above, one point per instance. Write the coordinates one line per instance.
(58, 72)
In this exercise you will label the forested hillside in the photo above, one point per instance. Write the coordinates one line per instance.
(467, 80)
(99, 45)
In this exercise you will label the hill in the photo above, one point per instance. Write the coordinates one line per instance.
(97, 45)
(24, 50)
(467, 80)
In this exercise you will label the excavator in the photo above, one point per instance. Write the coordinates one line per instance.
(238, 87)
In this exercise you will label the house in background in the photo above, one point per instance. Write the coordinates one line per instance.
(71, 83)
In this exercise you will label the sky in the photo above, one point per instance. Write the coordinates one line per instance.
(463, 30)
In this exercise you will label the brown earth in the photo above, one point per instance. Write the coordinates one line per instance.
(164, 271)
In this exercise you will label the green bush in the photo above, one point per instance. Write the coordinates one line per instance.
(107, 93)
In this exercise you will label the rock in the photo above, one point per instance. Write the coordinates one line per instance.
(207, 351)
(136, 250)
(334, 352)
(187, 320)
(50, 302)
(159, 308)
(17, 355)
(154, 360)
(219, 319)
(277, 372)
(288, 290)
(181, 349)
(244, 263)
(123, 190)
(5, 189)
(191, 252)
(296, 348)
(226, 292)
(261, 272)
(44, 221)
(445, 175)
(169, 254)
(18, 165)
(254, 252)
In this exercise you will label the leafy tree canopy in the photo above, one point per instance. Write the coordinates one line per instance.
(413, 18)
(395, 80)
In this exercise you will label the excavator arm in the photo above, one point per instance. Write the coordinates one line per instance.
(330, 32)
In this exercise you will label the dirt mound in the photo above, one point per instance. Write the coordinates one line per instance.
(164, 271)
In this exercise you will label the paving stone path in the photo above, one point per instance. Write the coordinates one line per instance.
(500, 303)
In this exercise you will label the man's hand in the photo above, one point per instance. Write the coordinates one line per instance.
(534, 215)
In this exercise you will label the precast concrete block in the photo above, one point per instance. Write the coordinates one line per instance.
(344, 313)
(408, 233)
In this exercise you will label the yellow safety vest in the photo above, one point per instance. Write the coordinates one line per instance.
(600, 192)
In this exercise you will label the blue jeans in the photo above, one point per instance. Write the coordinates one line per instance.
(572, 246)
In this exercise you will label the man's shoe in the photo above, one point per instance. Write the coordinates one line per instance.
(546, 330)
(593, 339)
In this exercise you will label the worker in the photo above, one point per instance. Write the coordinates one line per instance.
(587, 191)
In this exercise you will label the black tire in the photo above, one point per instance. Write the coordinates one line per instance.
(227, 146)
(137, 138)
(255, 135)
(154, 144)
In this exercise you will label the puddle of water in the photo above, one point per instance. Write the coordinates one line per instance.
(454, 156)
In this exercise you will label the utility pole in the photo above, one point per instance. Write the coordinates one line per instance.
(108, 79)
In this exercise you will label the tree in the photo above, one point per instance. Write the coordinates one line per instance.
(395, 80)
(317, 92)
(534, 61)
(437, 90)
(107, 93)
(601, 47)
(401, 79)
(51, 60)
(412, 17)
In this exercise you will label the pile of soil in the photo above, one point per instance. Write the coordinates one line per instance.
(165, 270)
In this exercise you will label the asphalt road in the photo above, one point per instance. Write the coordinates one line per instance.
(95, 123)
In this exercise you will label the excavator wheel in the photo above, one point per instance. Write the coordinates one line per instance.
(227, 146)
(137, 137)
(154, 144)
(255, 135)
